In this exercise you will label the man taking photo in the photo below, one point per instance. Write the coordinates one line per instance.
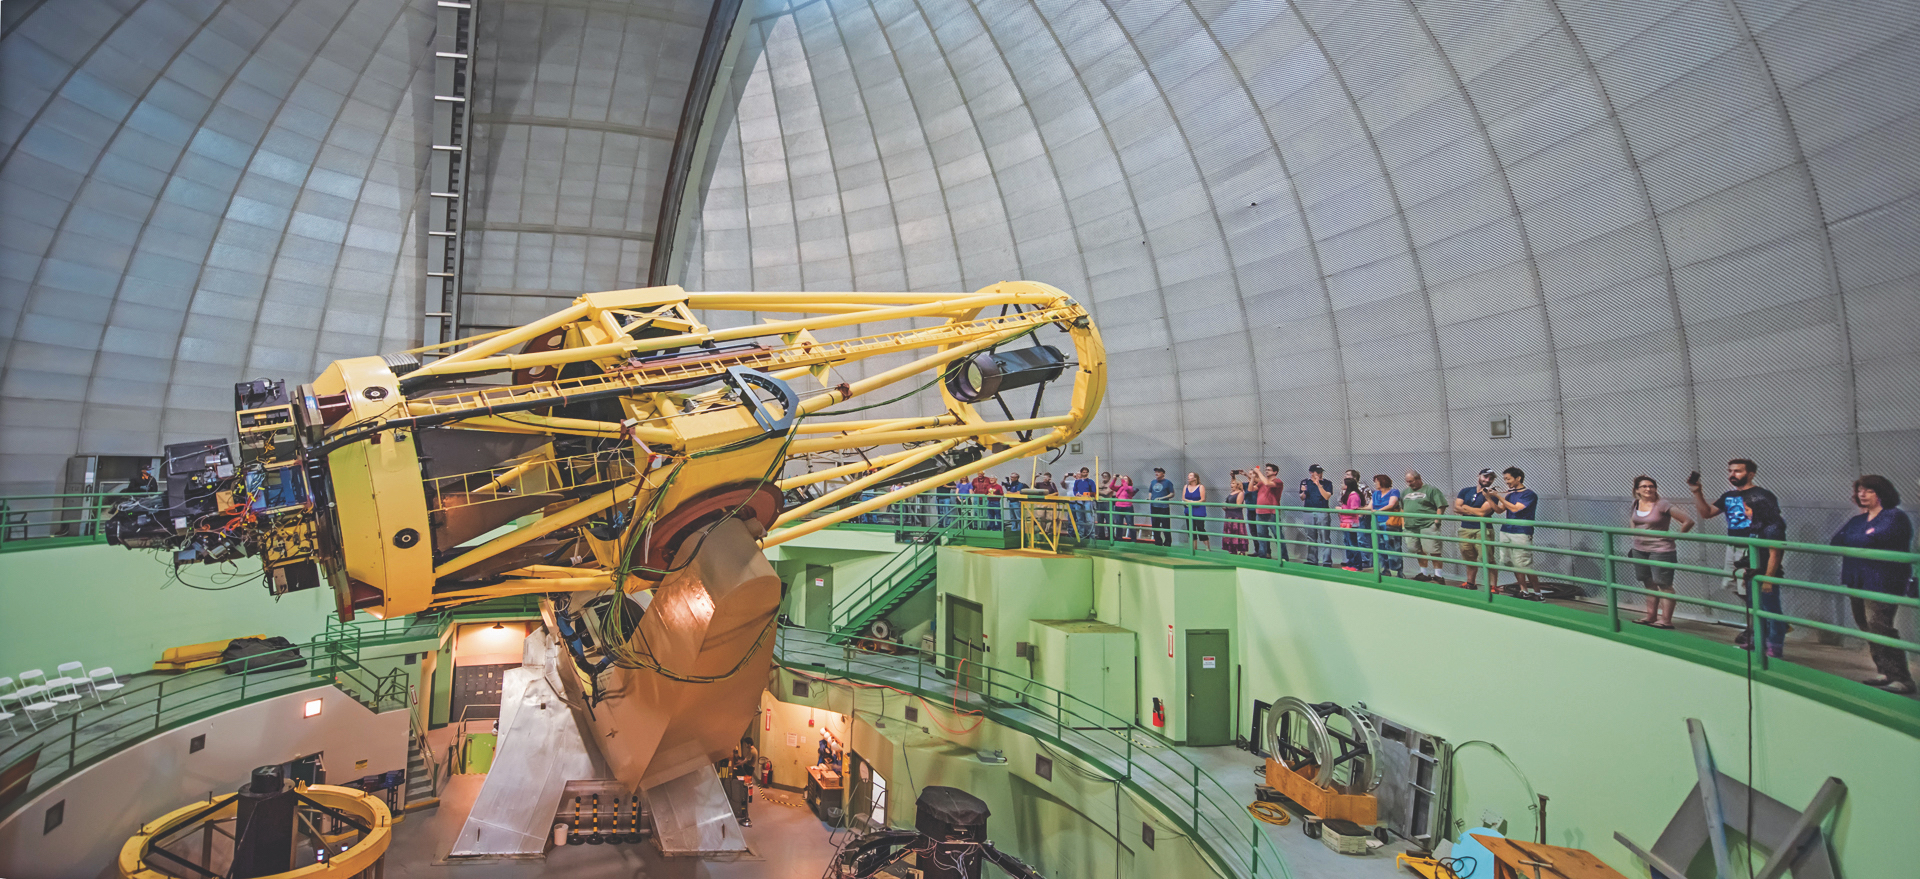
(1751, 511)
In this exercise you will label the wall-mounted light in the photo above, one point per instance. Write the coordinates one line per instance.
(311, 709)
(499, 625)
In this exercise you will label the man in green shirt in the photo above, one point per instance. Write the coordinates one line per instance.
(1423, 535)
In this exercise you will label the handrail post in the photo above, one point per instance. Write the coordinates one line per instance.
(1613, 595)
(1196, 798)
(1373, 540)
(1756, 624)
(1486, 557)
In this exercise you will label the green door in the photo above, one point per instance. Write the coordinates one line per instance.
(963, 640)
(819, 598)
(1209, 690)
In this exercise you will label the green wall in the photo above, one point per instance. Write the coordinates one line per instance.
(1075, 825)
(1595, 723)
(105, 605)
(853, 555)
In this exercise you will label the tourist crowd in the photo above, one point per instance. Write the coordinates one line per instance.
(1362, 523)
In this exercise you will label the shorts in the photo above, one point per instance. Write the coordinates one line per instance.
(1426, 542)
(1651, 574)
(1469, 544)
(1516, 550)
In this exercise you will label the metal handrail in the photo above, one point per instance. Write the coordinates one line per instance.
(159, 704)
(1605, 553)
(857, 600)
(30, 520)
(1185, 794)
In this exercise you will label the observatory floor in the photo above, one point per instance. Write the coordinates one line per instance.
(784, 842)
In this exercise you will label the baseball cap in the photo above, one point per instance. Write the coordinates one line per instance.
(1159, 469)
(1316, 468)
(1487, 471)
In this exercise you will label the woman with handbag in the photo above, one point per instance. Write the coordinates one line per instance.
(1386, 499)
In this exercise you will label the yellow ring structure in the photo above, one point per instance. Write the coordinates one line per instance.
(366, 807)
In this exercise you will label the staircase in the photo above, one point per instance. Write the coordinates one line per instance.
(903, 577)
(422, 775)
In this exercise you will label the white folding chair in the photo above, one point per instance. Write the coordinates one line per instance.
(76, 674)
(102, 679)
(33, 701)
(62, 689)
(8, 693)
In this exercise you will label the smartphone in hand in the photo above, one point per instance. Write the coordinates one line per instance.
(1693, 479)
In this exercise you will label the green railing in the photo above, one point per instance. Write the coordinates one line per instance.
(367, 631)
(1595, 556)
(1194, 801)
(95, 728)
(937, 532)
(38, 521)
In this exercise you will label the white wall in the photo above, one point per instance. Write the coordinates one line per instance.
(108, 803)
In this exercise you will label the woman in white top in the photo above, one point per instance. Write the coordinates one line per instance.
(1651, 514)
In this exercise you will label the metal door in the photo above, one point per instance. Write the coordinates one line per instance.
(964, 640)
(819, 598)
(476, 690)
(1209, 690)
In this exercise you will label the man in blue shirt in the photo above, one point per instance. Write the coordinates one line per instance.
(1316, 491)
(1013, 487)
(1475, 502)
(1082, 486)
(1159, 491)
(1516, 533)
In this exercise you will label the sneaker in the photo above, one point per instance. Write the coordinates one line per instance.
(1420, 578)
(1904, 688)
(1744, 640)
(1776, 653)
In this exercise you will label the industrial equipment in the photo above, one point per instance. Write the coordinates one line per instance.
(626, 460)
(272, 827)
(949, 841)
(1414, 767)
(1795, 839)
(1329, 771)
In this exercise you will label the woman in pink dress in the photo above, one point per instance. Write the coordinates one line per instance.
(1236, 528)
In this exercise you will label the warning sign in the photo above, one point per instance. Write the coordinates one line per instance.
(1206, 662)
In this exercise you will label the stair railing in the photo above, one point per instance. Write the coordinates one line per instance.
(882, 581)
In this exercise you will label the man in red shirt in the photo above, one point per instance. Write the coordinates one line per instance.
(1266, 485)
(984, 485)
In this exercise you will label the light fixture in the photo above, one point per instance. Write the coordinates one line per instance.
(311, 709)
(499, 625)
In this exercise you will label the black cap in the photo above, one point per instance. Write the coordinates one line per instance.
(1488, 471)
(1316, 468)
(1159, 469)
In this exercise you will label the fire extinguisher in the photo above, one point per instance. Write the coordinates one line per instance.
(766, 773)
(1159, 712)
